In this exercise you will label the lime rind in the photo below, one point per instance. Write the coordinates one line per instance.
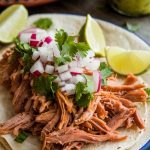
(127, 61)
(94, 36)
(92, 33)
(12, 21)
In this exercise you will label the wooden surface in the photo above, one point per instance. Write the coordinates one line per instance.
(98, 9)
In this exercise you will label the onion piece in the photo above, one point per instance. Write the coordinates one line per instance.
(90, 54)
(65, 76)
(34, 43)
(63, 89)
(25, 37)
(73, 64)
(35, 55)
(76, 70)
(62, 68)
(33, 36)
(97, 78)
(32, 30)
(93, 65)
(49, 69)
(70, 89)
(60, 84)
(43, 53)
(57, 80)
(37, 66)
(48, 39)
(79, 78)
(36, 73)
(50, 56)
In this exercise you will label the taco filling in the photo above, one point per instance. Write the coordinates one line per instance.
(64, 95)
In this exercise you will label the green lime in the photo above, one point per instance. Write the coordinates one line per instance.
(127, 61)
(92, 33)
(12, 21)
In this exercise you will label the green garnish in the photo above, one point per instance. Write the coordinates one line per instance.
(43, 23)
(44, 85)
(61, 60)
(68, 47)
(21, 137)
(105, 71)
(83, 95)
(26, 51)
(148, 92)
(131, 27)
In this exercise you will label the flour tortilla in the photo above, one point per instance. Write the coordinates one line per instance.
(72, 25)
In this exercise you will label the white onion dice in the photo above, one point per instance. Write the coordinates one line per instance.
(49, 69)
(37, 66)
(65, 76)
(62, 68)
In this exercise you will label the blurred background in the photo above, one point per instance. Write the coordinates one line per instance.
(137, 21)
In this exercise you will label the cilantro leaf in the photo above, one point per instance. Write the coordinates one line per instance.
(21, 137)
(60, 38)
(105, 71)
(83, 96)
(82, 48)
(44, 85)
(131, 27)
(68, 47)
(148, 92)
(43, 23)
(61, 60)
(25, 50)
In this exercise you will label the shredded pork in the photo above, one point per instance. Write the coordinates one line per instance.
(60, 122)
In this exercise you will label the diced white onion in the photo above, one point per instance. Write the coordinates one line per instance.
(62, 68)
(93, 65)
(73, 64)
(50, 58)
(76, 70)
(81, 63)
(35, 55)
(57, 79)
(60, 84)
(63, 89)
(97, 80)
(38, 66)
(49, 69)
(70, 89)
(43, 53)
(25, 37)
(90, 54)
(65, 76)
(79, 78)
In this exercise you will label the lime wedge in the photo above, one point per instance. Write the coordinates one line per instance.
(127, 61)
(93, 35)
(12, 21)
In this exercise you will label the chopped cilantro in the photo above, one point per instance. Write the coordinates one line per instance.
(83, 95)
(105, 71)
(131, 27)
(25, 50)
(61, 60)
(68, 47)
(60, 38)
(21, 137)
(148, 92)
(43, 23)
(44, 85)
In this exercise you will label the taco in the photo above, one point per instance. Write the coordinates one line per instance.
(52, 99)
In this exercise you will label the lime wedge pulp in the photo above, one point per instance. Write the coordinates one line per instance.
(127, 61)
(12, 21)
(92, 33)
